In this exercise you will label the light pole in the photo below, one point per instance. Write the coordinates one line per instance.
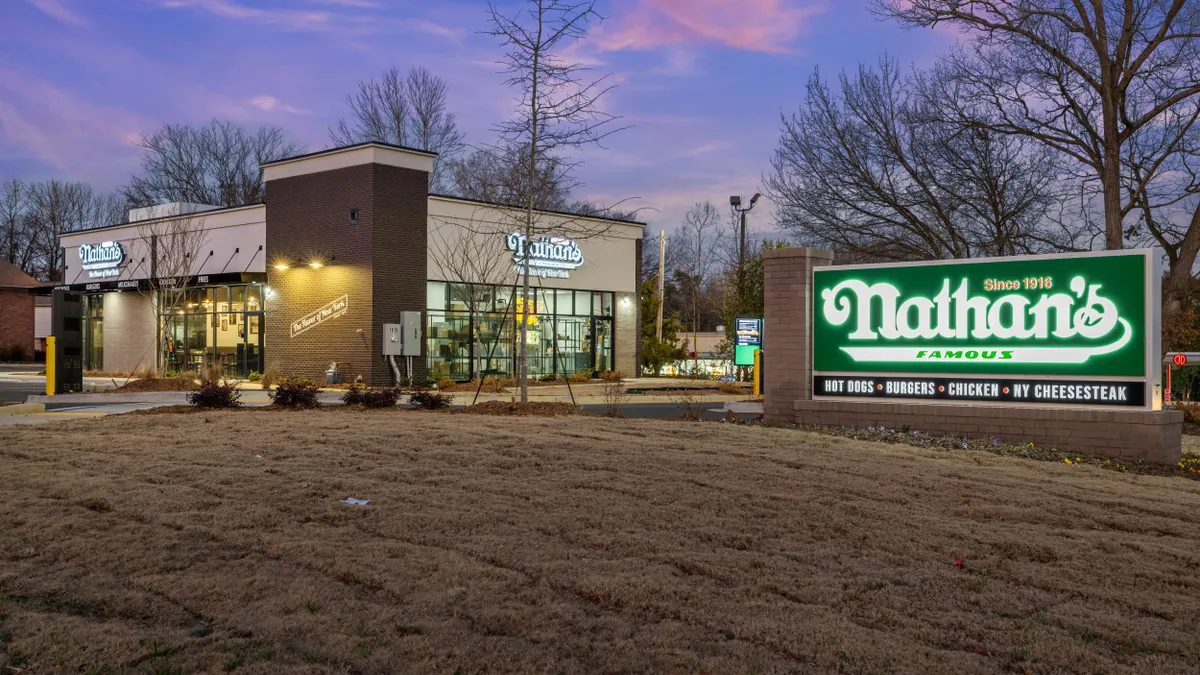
(736, 203)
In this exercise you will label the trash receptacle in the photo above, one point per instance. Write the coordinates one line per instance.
(333, 375)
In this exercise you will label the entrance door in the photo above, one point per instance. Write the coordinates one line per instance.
(250, 349)
(602, 344)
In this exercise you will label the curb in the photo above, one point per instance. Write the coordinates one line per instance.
(23, 409)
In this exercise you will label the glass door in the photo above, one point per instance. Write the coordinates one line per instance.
(249, 359)
(602, 344)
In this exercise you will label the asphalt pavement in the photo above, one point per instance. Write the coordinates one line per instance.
(19, 381)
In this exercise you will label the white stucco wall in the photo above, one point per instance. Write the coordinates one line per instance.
(231, 243)
(609, 248)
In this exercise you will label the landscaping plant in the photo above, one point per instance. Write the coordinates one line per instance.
(354, 393)
(383, 397)
(216, 395)
(430, 400)
(296, 392)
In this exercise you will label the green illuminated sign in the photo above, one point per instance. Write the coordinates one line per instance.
(747, 340)
(1092, 315)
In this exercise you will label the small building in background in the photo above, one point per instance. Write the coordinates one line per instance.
(16, 313)
(41, 325)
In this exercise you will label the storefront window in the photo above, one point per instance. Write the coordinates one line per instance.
(213, 327)
(475, 329)
(93, 332)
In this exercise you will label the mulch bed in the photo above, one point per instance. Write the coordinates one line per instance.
(159, 384)
(536, 408)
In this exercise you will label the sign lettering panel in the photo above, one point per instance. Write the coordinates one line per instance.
(1087, 316)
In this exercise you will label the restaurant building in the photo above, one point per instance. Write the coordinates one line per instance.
(346, 241)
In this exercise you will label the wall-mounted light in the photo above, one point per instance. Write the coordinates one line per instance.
(282, 265)
(315, 264)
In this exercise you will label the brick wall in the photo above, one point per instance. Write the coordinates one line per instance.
(637, 300)
(128, 332)
(626, 333)
(1153, 436)
(399, 260)
(16, 320)
(787, 361)
(378, 264)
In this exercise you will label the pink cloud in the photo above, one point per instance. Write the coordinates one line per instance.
(755, 25)
(269, 103)
(56, 10)
(293, 19)
(83, 140)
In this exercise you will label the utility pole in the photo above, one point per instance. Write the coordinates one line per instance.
(662, 264)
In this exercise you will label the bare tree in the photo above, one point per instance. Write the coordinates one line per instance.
(467, 253)
(697, 239)
(1085, 79)
(168, 253)
(500, 175)
(55, 208)
(556, 111)
(410, 110)
(14, 241)
(871, 172)
(219, 164)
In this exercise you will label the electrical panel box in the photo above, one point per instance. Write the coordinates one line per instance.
(410, 323)
(393, 340)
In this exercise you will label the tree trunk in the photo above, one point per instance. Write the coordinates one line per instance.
(1179, 277)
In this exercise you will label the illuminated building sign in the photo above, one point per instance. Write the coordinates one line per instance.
(328, 312)
(103, 259)
(550, 257)
(1071, 316)
(747, 340)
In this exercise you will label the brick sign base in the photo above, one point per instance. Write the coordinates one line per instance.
(1123, 434)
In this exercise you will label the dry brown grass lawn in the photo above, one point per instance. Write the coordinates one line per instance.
(216, 541)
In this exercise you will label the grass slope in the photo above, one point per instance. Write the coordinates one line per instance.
(216, 542)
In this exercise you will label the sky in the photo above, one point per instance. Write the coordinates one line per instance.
(700, 84)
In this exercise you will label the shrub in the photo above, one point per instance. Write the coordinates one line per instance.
(211, 373)
(269, 377)
(1191, 412)
(296, 392)
(13, 353)
(255, 376)
(384, 397)
(731, 388)
(583, 375)
(355, 394)
(611, 375)
(445, 383)
(493, 384)
(216, 395)
(548, 377)
(430, 400)
(615, 396)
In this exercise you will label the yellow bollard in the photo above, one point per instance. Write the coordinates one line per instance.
(758, 372)
(50, 365)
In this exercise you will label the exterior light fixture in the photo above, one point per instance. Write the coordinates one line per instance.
(315, 264)
(281, 266)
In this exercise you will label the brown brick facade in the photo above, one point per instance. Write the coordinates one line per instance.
(787, 361)
(16, 320)
(379, 265)
(1153, 436)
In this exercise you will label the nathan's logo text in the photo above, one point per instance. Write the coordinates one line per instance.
(992, 327)
(547, 256)
(103, 259)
